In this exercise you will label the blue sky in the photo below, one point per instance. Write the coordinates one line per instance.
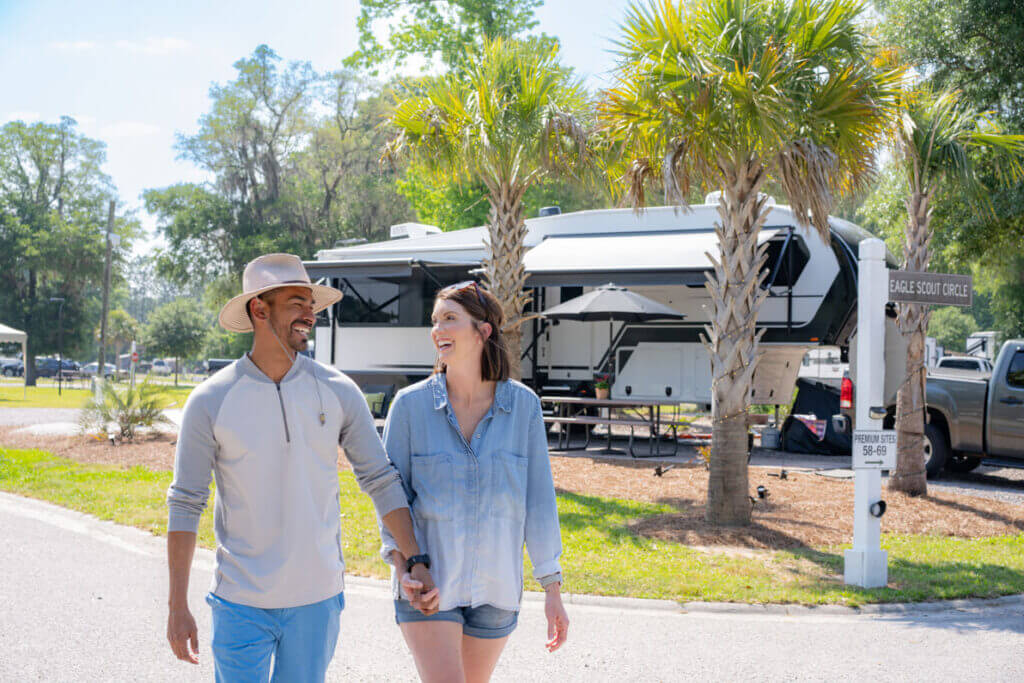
(135, 73)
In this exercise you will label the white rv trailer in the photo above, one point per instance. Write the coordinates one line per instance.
(379, 332)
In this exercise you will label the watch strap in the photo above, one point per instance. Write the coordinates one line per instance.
(423, 559)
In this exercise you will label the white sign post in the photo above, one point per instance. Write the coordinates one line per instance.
(866, 564)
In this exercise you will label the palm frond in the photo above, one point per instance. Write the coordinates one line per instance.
(936, 135)
(795, 82)
(124, 410)
(806, 171)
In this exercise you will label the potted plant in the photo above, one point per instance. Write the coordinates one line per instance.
(602, 388)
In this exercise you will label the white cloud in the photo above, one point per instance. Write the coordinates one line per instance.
(128, 129)
(73, 45)
(154, 46)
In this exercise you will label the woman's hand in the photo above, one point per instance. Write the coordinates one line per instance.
(558, 619)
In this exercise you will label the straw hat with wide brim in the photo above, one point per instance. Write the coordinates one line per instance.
(268, 272)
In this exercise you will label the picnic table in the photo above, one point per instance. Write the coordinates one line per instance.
(72, 377)
(569, 411)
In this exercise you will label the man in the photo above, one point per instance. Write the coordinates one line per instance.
(268, 428)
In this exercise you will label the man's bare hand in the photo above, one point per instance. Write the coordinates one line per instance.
(183, 635)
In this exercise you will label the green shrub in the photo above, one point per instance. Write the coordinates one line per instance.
(127, 409)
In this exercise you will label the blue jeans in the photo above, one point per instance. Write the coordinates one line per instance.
(484, 621)
(299, 640)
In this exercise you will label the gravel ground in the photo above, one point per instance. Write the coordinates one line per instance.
(1000, 483)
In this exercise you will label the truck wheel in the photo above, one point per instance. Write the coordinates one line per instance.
(936, 450)
(962, 463)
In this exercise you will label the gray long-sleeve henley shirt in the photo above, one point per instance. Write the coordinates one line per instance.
(276, 515)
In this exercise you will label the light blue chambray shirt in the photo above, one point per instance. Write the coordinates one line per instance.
(475, 504)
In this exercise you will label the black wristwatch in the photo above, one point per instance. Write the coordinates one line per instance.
(423, 559)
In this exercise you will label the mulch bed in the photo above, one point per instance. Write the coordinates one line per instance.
(802, 511)
(154, 450)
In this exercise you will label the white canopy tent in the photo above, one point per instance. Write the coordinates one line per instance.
(9, 334)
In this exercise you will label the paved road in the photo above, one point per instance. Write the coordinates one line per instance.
(32, 416)
(84, 600)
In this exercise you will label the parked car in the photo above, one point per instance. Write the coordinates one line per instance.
(90, 369)
(47, 367)
(965, 363)
(161, 367)
(215, 364)
(12, 367)
(971, 417)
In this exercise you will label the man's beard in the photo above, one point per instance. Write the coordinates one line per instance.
(286, 337)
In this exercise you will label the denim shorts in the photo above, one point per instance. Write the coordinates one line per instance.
(484, 621)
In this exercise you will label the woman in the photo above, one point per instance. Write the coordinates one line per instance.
(472, 449)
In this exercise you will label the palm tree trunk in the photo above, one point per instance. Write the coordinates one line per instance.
(504, 272)
(731, 340)
(910, 476)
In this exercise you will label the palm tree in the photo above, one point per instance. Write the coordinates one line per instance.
(508, 121)
(935, 138)
(726, 94)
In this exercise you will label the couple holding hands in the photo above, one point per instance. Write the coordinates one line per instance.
(461, 482)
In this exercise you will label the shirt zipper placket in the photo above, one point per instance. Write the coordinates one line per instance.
(284, 416)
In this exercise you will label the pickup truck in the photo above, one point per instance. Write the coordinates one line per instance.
(975, 415)
(965, 363)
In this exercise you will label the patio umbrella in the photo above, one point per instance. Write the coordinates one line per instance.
(611, 302)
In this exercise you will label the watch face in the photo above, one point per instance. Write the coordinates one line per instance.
(417, 559)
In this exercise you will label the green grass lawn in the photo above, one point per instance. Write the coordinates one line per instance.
(16, 396)
(601, 555)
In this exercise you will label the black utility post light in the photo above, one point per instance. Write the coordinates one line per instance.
(59, 300)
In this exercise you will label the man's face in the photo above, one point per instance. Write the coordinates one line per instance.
(291, 315)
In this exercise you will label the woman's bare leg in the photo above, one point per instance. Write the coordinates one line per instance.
(437, 650)
(480, 656)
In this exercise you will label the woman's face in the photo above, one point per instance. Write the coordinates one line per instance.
(457, 337)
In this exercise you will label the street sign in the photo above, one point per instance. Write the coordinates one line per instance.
(135, 356)
(874, 449)
(930, 288)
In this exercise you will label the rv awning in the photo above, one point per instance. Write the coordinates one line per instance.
(648, 259)
(392, 268)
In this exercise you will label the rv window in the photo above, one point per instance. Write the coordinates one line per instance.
(785, 262)
(427, 290)
(568, 293)
(368, 300)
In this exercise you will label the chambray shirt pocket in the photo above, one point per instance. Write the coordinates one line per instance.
(432, 480)
(508, 485)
